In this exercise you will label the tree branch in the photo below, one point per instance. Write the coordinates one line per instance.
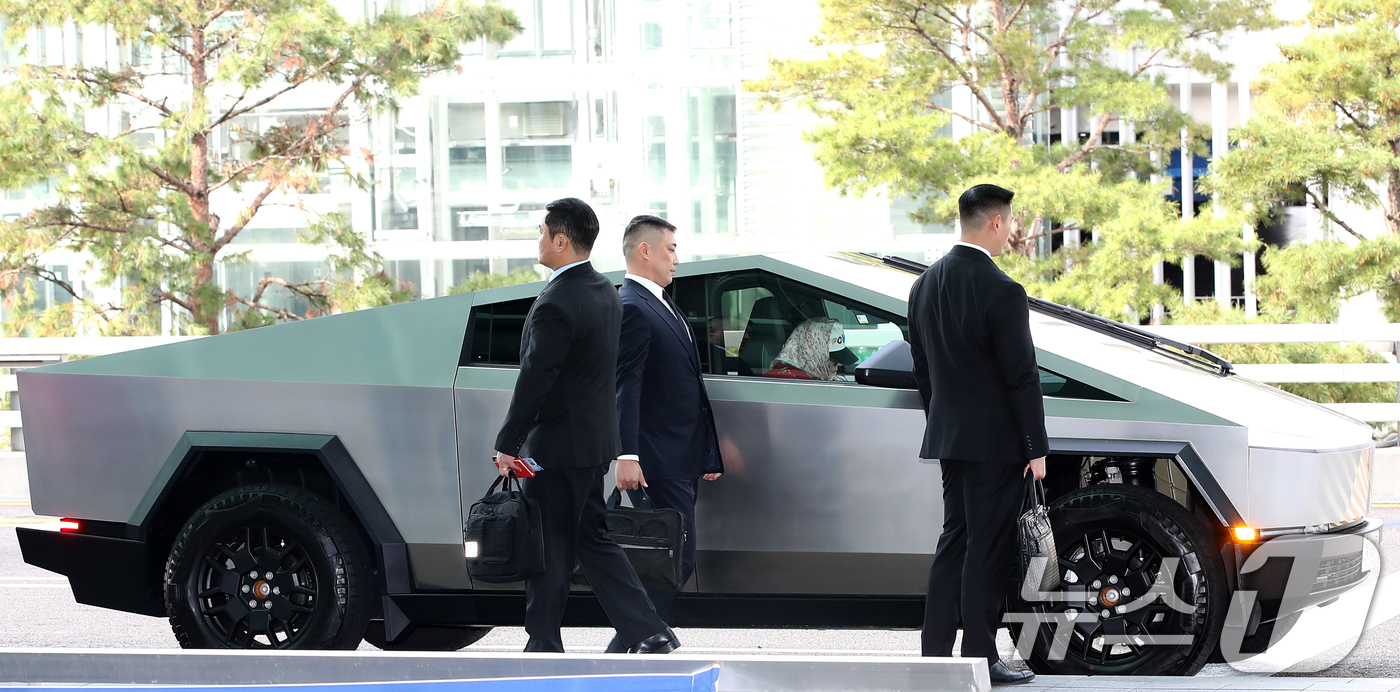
(235, 112)
(247, 216)
(1327, 213)
(169, 178)
(967, 118)
(1089, 145)
(1349, 115)
(85, 77)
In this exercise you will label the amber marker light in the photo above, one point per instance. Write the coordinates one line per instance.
(69, 525)
(1244, 534)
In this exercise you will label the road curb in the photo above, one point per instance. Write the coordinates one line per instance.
(222, 668)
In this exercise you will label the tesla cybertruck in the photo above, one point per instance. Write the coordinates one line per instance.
(303, 485)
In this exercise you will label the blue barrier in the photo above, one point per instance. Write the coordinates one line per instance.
(703, 681)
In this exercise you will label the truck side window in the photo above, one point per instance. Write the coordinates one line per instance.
(496, 332)
(752, 314)
(1057, 386)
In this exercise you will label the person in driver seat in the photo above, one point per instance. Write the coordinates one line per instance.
(816, 350)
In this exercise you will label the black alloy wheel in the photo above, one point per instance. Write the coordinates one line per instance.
(1114, 542)
(268, 567)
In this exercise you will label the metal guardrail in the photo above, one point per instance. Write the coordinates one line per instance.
(1305, 372)
(33, 352)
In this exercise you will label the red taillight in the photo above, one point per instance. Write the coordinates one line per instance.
(69, 525)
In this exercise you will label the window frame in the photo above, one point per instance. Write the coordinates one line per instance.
(714, 286)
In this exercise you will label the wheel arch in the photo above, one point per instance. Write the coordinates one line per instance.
(1182, 452)
(205, 463)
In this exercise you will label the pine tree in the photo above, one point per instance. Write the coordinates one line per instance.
(893, 66)
(139, 200)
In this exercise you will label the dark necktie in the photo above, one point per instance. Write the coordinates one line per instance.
(676, 313)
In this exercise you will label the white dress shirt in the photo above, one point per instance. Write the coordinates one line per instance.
(983, 250)
(656, 290)
(564, 268)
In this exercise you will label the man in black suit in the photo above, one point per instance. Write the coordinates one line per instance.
(564, 414)
(969, 329)
(667, 430)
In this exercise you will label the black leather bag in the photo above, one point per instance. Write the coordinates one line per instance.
(652, 539)
(1039, 559)
(504, 535)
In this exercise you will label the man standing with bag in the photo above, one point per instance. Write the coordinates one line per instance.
(564, 415)
(969, 329)
(667, 430)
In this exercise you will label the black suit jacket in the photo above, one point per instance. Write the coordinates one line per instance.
(663, 411)
(969, 329)
(564, 413)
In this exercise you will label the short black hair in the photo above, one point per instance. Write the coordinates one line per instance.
(639, 226)
(575, 219)
(982, 201)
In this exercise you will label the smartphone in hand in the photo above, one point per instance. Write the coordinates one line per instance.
(528, 467)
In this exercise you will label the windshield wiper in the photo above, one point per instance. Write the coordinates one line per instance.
(1184, 353)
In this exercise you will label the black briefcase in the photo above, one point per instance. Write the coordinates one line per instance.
(504, 535)
(652, 539)
(1039, 558)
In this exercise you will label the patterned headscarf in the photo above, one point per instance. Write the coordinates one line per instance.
(809, 349)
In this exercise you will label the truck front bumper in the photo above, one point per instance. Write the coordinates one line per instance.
(1328, 565)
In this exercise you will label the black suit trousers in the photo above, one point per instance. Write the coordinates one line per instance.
(575, 527)
(972, 566)
(680, 496)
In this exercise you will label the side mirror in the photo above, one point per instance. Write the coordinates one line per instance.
(892, 366)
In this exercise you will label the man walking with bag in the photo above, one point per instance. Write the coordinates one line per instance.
(564, 415)
(969, 329)
(667, 430)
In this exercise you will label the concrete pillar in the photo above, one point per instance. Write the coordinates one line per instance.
(678, 157)
(1188, 199)
(705, 186)
(1251, 302)
(495, 167)
(1069, 126)
(1220, 147)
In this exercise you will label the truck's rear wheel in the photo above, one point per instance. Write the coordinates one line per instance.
(268, 566)
(1114, 542)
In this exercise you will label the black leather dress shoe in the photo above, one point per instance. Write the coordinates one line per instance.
(1001, 675)
(663, 642)
(615, 646)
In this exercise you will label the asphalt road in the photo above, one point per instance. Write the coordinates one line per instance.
(37, 610)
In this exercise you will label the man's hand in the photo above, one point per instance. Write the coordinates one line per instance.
(507, 463)
(711, 476)
(629, 475)
(1036, 467)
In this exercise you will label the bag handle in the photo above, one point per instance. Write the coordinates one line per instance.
(504, 482)
(615, 499)
(1035, 492)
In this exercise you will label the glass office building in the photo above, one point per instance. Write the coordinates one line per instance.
(636, 106)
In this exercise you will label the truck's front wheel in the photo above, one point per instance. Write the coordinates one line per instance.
(268, 566)
(1143, 589)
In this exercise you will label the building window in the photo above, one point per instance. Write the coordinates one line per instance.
(548, 28)
(536, 167)
(710, 24)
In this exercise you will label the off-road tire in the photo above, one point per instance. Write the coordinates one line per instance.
(321, 571)
(1170, 530)
(428, 637)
